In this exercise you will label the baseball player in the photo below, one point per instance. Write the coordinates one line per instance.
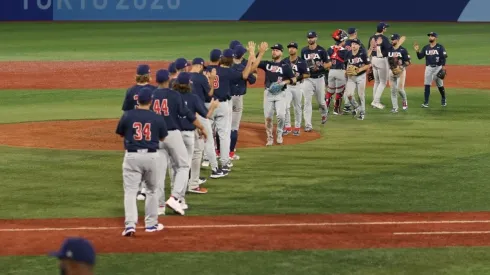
(318, 61)
(352, 32)
(238, 91)
(170, 104)
(435, 67)
(143, 79)
(399, 60)
(294, 93)
(358, 59)
(76, 256)
(336, 75)
(276, 72)
(225, 77)
(142, 131)
(195, 105)
(380, 64)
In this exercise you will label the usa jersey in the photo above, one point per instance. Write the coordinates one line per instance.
(299, 66)
(337, 56)
(359, 59)
(434, 56)
(401, 53)
(275, 71)
(319, 56)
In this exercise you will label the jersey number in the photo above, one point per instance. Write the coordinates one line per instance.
(163, 108)
(135, 98)
(141, 131)
(216, 82)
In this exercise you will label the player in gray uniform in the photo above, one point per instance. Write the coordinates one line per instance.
(294, 93)
(435, 61)
(352, 32)
(401, 58)
(142, 131)
(318, 62)
(359, 58)
(380, 64)
(170, 104)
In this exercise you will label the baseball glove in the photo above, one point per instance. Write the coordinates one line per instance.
(276, 88)
(310, 63)
(352, 70)
(441, 74)
(370, 74)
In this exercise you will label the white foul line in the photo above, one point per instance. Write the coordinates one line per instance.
(442, 233)
(248, 225)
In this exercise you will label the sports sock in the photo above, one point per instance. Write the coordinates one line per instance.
(426, 94)
(234, 139)
(443, 92)
(328, 96)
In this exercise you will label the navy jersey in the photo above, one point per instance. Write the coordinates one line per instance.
(131, 98)
(359, 60)
(172, 82)
(434, 56)
(240, 87)
(195, 105)
(244, 62)
(385, 46)
(337, 56)
(401, 53)
(171, 106)
(348, 44)
(298, 65)
(200, 86)
(320, 56)
(141, 129)
(276, 71)
(225, 77)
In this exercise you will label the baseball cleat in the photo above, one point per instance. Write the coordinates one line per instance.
(379, 106)
(129, 232)
(234, 156)
(226, 168)
(308, 129)
(296, 132)
(270, 142)
(205, 163)
(286, 131)
(394, 110)
(202, 180)
(218, 173)
(443, 103)
(361, 116)
(425, 105)
(141, 196)
(155, 228)
(174, 204)
(324, 118)
(279, 139)
(347, 109)
(161, 210)
(198, 190)
(183, 204)
(405, 105)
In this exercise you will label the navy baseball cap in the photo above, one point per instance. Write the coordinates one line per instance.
(355, 40)
(234, 43)
(395, 36)
(184, 78)
(239, 51)
(162, 76)
(145, 95)
(215, 55)
(311, 34)
(143, 69)
(171, 68)
(292, 45)
(381, 26)
(228, 53)
(432, 34)
(181, 63)
(277, 47)
(76, 249)
(351, 30)
(198, 61)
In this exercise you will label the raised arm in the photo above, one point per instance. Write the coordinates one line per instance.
(262, 49)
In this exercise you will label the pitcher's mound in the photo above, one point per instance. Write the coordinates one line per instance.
(100, 135)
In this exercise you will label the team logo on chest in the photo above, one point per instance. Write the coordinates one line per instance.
(395, 54)
(274, 68)
(431, 52)
(356, 60)
(312, 56)
(295, 67)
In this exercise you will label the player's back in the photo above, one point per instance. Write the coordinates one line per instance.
(146, 126)
(131, 98)
(167, 103)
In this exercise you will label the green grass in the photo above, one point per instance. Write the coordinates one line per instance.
(455, 261)
(422, 160)
(169, 40)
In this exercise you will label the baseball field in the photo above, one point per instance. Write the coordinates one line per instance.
(403, 193)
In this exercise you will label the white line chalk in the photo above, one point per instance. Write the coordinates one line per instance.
(442, 233)
(325, 224)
